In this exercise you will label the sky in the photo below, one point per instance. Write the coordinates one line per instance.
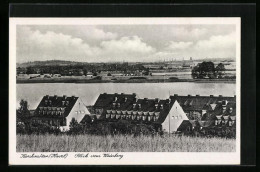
(128, 43)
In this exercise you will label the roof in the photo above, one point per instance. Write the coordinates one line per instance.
(54, 103)
(197, 102)
(184, 125)
(141, 107)
(105, 100)
(230, 109)
(128, 103)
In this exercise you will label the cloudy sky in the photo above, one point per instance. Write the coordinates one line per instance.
(106, 43)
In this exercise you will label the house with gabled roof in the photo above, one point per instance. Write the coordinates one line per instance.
(169, 114)
(112, 101)
(58, 111)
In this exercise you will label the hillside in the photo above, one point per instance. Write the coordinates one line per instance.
(50, 63)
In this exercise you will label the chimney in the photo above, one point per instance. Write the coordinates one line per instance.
(220, 95)
(73, 97)
(145, 100)
(134, 94)
(55, 96)
(175, 95)
(211, 96)
(122, 93)
(197, 95)
(47, 96)
(189, 95)
(104, 93)
(156, 100)
(64, 97)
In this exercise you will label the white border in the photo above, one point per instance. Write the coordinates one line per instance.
(130, 158)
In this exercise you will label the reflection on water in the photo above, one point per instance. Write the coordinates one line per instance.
(89, 92)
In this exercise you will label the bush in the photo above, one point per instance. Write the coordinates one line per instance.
(36, 128)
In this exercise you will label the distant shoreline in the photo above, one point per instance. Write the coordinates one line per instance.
(27, 81)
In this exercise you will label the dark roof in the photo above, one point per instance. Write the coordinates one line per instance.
(199, 102)
(110, 102)
(230, 110)
(57, 102)
(184, 125)
(106, 100)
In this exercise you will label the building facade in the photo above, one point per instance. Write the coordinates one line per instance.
(168, 115)
(59, 111)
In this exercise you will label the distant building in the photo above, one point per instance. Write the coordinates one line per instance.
(59, 111)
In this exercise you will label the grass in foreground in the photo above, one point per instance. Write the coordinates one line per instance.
(119, 143)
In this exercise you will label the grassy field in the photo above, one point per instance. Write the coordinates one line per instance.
(90, 143)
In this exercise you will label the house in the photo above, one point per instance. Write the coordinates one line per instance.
(58, 111)
(208, 112)
(112, 101)
(167, 114)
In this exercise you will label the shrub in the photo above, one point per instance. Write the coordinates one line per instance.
(34, 127)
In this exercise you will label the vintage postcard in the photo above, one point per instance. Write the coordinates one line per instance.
(124, 91)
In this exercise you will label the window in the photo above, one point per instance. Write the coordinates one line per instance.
(216, 122)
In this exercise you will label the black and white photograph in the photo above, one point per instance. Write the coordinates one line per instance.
(124, 90)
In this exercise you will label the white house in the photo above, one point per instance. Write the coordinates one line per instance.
(59, 111)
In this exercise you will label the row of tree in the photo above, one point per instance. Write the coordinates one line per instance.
(80, 69)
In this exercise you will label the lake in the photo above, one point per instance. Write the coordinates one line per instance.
(33, 93)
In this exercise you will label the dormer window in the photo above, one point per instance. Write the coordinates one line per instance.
(114, 105)
(63, 103)
(134, 105)
(46, 102)
(125, 99)
(67, 103)
(161, 106)
(230, 110)
(156, 106)
(139, 105)
(224, 109)
(216, 122)
(49, 102)
(118, 105)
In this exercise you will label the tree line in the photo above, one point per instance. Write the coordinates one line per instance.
(67, 70)
(208, 70)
